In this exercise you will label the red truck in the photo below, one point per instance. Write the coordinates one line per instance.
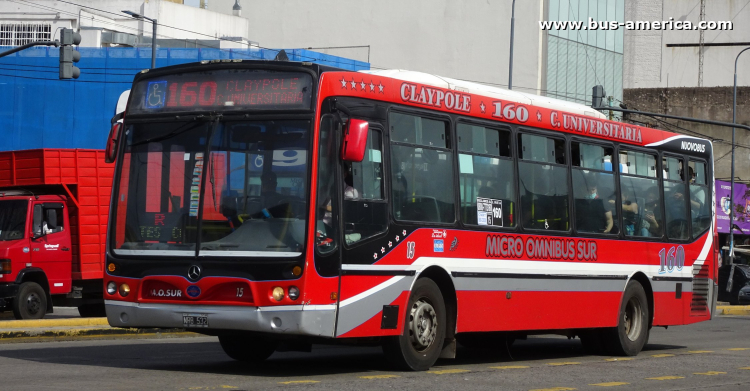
(54, 206)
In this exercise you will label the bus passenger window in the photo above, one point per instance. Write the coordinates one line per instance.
(365, 210)
(486, 176)
(543, 183)
(700, 206)
(640, 195)
(594, 189)
(421, 169)
(675, 198)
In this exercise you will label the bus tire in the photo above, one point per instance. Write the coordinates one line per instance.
(252, 349)
(419, 345)
(31, 301)
(631, 333)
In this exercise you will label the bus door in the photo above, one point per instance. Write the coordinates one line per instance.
(365, 211)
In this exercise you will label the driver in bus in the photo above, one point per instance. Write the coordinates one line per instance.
(268, 192)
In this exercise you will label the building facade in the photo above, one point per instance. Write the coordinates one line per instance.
(102, 23)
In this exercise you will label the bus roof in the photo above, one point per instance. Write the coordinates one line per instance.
(489, 91)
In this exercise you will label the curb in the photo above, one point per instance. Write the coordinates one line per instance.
(40, 323)
(742, 310)
(67, 334)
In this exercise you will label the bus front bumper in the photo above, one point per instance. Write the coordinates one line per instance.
(295, 320)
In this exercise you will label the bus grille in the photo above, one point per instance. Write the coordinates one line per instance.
(701, 283)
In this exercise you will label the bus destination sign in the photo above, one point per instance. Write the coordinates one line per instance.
(224, 90)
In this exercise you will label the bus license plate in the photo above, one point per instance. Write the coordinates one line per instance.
(194, 320)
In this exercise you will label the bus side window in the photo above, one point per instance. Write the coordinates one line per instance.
(365, 210)
(421, 169)
(486, 176)
(675, 198)
(700, 205)
(594, 189)
(543, 183)
(640, 195)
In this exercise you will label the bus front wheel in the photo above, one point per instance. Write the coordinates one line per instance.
(420, 343)
(252, 349)
(631, 333)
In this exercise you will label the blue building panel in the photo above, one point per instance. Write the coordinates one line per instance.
(37, 110)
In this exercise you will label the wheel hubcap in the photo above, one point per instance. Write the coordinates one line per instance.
(423, 325)
(633, 319)
(34, 303)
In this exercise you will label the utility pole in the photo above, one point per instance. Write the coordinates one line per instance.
(512, 27)
(700, 45)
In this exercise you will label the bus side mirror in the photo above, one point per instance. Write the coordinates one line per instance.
(114, 136)
(355, 140)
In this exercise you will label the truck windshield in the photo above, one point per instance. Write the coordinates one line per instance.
(13, 219)
(213, 189)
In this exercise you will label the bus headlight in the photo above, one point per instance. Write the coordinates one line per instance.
(124, 290)
(278, 293)
(293, 292)
(111, 288)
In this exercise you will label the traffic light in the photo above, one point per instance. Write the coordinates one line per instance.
(68, 54)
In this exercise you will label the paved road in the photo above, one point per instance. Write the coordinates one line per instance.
(705, 355)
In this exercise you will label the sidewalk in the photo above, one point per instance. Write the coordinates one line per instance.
(15, 331)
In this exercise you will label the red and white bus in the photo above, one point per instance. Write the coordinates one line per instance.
(288, 203)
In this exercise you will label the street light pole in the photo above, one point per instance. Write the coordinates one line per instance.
(731, 194)
(153, 34)
(512, 26)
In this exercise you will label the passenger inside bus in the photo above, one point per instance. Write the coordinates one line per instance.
(649, 224)
(592, 213)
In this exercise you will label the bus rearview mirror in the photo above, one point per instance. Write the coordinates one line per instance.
(355, 140)
(111, 150)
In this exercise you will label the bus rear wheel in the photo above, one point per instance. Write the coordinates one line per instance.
(252, 349)
(420, 343)
(631, 333)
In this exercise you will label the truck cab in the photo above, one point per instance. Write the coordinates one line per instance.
(35, 252)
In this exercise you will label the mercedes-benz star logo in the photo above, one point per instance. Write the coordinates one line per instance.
(194, 273)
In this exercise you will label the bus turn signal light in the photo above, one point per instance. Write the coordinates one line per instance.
(296, 271)
(111, 267)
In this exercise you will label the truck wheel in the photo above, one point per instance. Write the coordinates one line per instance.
(631, 333)
(31, 302)
(253, 349)
(92, 310)
(421, 342)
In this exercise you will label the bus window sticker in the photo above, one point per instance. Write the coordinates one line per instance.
(489, 211)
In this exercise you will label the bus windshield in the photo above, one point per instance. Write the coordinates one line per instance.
(13, 219)
(213, 188)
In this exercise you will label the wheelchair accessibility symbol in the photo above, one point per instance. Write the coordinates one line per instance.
(156, 94)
